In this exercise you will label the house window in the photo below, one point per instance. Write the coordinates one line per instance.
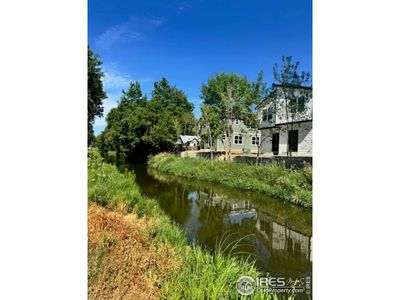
(255, 140)
(297, 105)
(293, 140)
(236, 121)
(238, 140)
(265, 115)
(269, 113)
(293, 106)
(301, 104)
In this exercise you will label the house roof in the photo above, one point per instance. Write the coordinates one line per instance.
(184, 139)
(275, 85)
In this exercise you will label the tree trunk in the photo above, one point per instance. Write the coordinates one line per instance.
(211, 142)
(229, 142)
(287, 141)
(258, 148)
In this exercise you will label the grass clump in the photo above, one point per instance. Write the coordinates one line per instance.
(136, 252)
(209, 276)
(274, 180)
(108, 187)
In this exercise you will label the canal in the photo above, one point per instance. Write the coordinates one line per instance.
(277, 235)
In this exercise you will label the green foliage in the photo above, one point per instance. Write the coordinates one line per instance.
(209, 276)
(210, 124)
(96, 94)
(118, 191)
(202, 275)
(108, 187)
(244, 95)
(288, 75)
(259, 91)
(137, 126)
(230, 97)
(273, 179)
(91, 137)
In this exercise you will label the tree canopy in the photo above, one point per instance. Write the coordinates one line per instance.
(96, 94)
(138, 126)
(233, 97)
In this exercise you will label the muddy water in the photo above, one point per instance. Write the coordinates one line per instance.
(277, 235)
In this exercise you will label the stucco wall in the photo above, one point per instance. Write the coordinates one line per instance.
(279, 105)
(304, 140)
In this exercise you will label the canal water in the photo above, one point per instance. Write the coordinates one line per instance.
(277, 235)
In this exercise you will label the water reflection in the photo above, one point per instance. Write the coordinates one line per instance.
(276, 234)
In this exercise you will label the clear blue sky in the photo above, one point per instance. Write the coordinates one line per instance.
(189, 41)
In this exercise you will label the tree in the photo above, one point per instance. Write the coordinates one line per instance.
(170, 114)
(138, 127)
(260, 90)
(233, 97)
(96, 94)
(134, 95)
(126, 124)
(210, 128)
(290, 79)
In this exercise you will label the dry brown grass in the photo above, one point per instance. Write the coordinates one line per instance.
(123, 262)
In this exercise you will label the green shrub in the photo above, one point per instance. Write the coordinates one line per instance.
(274, 179)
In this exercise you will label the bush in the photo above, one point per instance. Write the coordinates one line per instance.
(274, 180)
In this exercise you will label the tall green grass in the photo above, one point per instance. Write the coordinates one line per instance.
(202, 275)
(206, 276)
(274, 180)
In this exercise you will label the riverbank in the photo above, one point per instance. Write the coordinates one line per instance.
(274, 180)
(136, 252)
(295, 217)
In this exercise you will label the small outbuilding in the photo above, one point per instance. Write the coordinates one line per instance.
(188, 142)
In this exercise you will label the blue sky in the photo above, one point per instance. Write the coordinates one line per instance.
(187, 41)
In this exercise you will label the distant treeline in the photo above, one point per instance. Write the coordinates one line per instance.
(139, 126)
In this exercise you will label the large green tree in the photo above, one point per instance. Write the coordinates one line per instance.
(171, 115)
(137, 126)
(234, 97)
(126, 124)
(96, 94)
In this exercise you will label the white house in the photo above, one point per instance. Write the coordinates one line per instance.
(286, 121)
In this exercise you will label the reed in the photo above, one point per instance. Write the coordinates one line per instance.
(136, 251)
(274, 180)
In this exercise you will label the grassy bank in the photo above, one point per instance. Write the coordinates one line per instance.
(274, 180)
(136, 252)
